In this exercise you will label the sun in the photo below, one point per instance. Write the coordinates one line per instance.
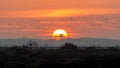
(60, 33)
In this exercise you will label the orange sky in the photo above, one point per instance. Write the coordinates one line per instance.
(56, 13)
(57, 8)
(57, 4)
(24, 18)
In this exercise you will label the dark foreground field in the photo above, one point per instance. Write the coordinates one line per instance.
(20, 57)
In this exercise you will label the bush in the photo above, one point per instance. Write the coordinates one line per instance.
(69, 46)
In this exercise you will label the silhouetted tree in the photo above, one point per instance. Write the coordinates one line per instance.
(69, 46)
(114, 48)
(32, 44)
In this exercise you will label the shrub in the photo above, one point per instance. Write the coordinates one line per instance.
(69, 46)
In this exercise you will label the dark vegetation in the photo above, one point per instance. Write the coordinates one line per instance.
(65, 57)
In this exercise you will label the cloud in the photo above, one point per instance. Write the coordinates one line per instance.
(56, 13)
(35, 27)
(18, 5)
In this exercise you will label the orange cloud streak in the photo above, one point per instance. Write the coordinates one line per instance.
(56, 13)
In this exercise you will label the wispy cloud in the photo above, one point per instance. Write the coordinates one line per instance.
(56, 13)
(34, 27)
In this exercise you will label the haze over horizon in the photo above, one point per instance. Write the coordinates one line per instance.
(39, 18)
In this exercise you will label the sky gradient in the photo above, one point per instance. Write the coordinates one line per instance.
(39, 18)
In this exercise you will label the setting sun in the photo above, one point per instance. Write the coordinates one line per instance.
(59, 33)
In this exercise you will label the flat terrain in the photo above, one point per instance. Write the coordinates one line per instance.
(20, 57)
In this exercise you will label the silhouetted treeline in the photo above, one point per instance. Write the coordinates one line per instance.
(24, 57)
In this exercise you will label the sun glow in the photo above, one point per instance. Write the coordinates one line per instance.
(59, 34)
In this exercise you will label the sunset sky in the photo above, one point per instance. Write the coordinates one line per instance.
(80, 18)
